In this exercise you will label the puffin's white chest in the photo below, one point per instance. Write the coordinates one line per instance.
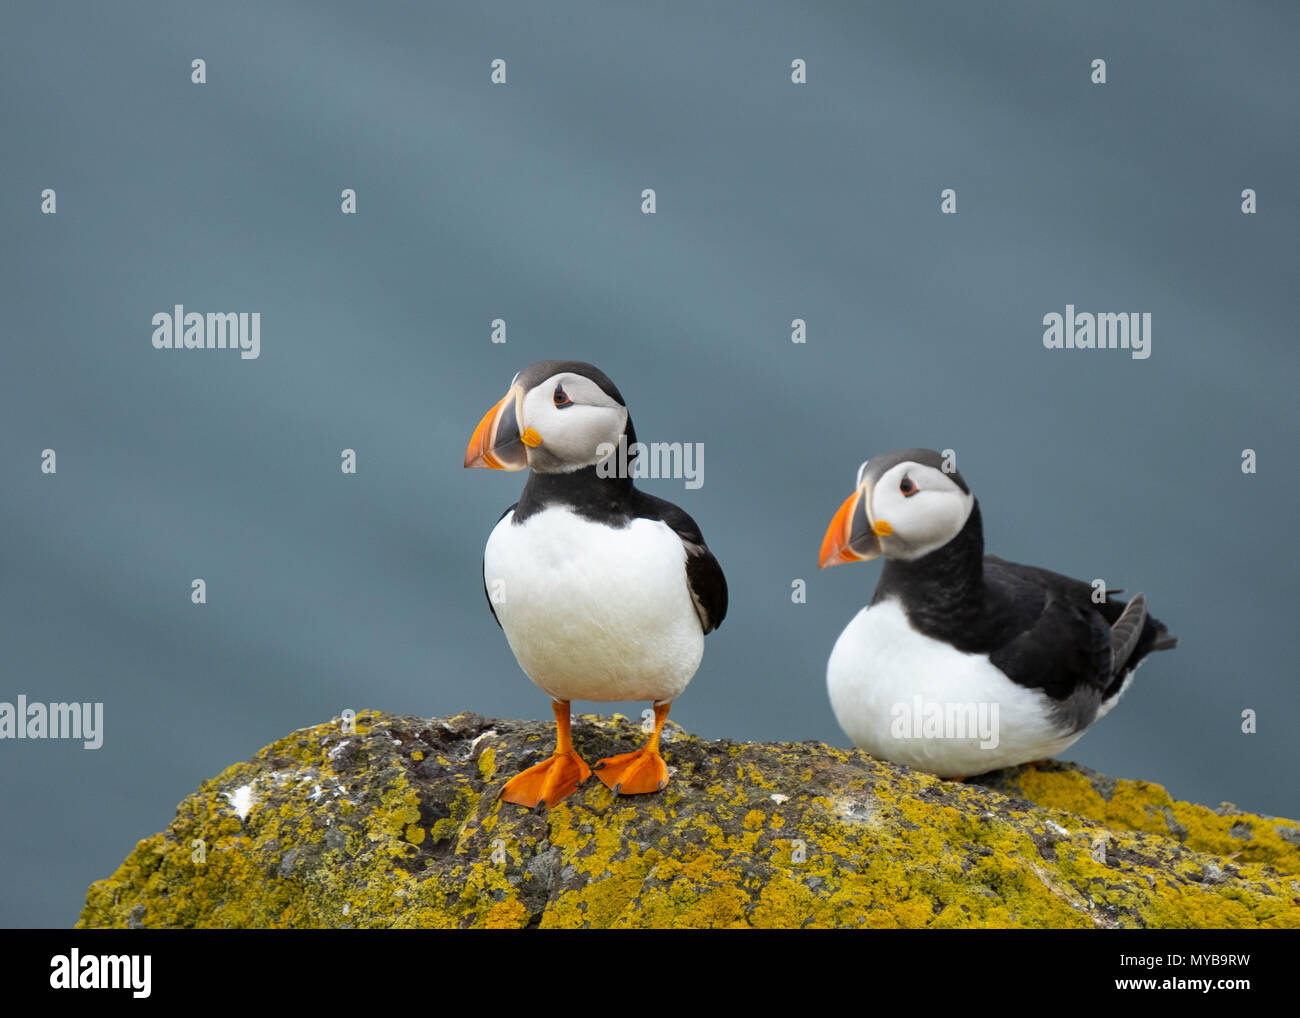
(593, 612)
(908, 698)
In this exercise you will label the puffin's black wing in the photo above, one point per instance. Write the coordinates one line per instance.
(704, 577)
(1050, 640)
(483, 570)
(1059, 640)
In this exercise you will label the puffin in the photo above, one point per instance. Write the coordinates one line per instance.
(604, 593)
(964, 662)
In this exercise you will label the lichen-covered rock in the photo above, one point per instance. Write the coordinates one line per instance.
(397, 823)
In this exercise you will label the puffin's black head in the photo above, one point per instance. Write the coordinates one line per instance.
(557, 417)
(907, 504)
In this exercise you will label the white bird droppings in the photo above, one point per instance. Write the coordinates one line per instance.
(242, 800)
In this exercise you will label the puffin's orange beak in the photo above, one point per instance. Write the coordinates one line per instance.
(496, 442)
(851, 537)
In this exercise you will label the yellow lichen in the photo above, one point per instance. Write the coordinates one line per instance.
(1142, 806)
(855, 843)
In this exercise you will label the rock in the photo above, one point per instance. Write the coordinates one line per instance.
(397, 824)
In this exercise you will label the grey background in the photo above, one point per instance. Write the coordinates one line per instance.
(775, 202)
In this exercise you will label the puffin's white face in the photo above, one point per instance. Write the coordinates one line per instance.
(573, 417)
(916, 509)
(553, 418)
(903, 508)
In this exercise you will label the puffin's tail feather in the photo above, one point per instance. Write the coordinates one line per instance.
(1126, 632)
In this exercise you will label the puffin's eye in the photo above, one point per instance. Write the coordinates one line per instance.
(562, 397)
(908, 487)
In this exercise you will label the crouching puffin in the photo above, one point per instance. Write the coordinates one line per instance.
(963, 662)
(604, 592)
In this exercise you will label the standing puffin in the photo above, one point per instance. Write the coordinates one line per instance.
(604, 592)
(958, 635)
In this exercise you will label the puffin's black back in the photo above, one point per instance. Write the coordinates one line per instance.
(1038, 627)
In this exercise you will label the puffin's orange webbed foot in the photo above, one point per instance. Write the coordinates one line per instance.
(549, 781)
(634, 773)
(554, 778)
(639, 772)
